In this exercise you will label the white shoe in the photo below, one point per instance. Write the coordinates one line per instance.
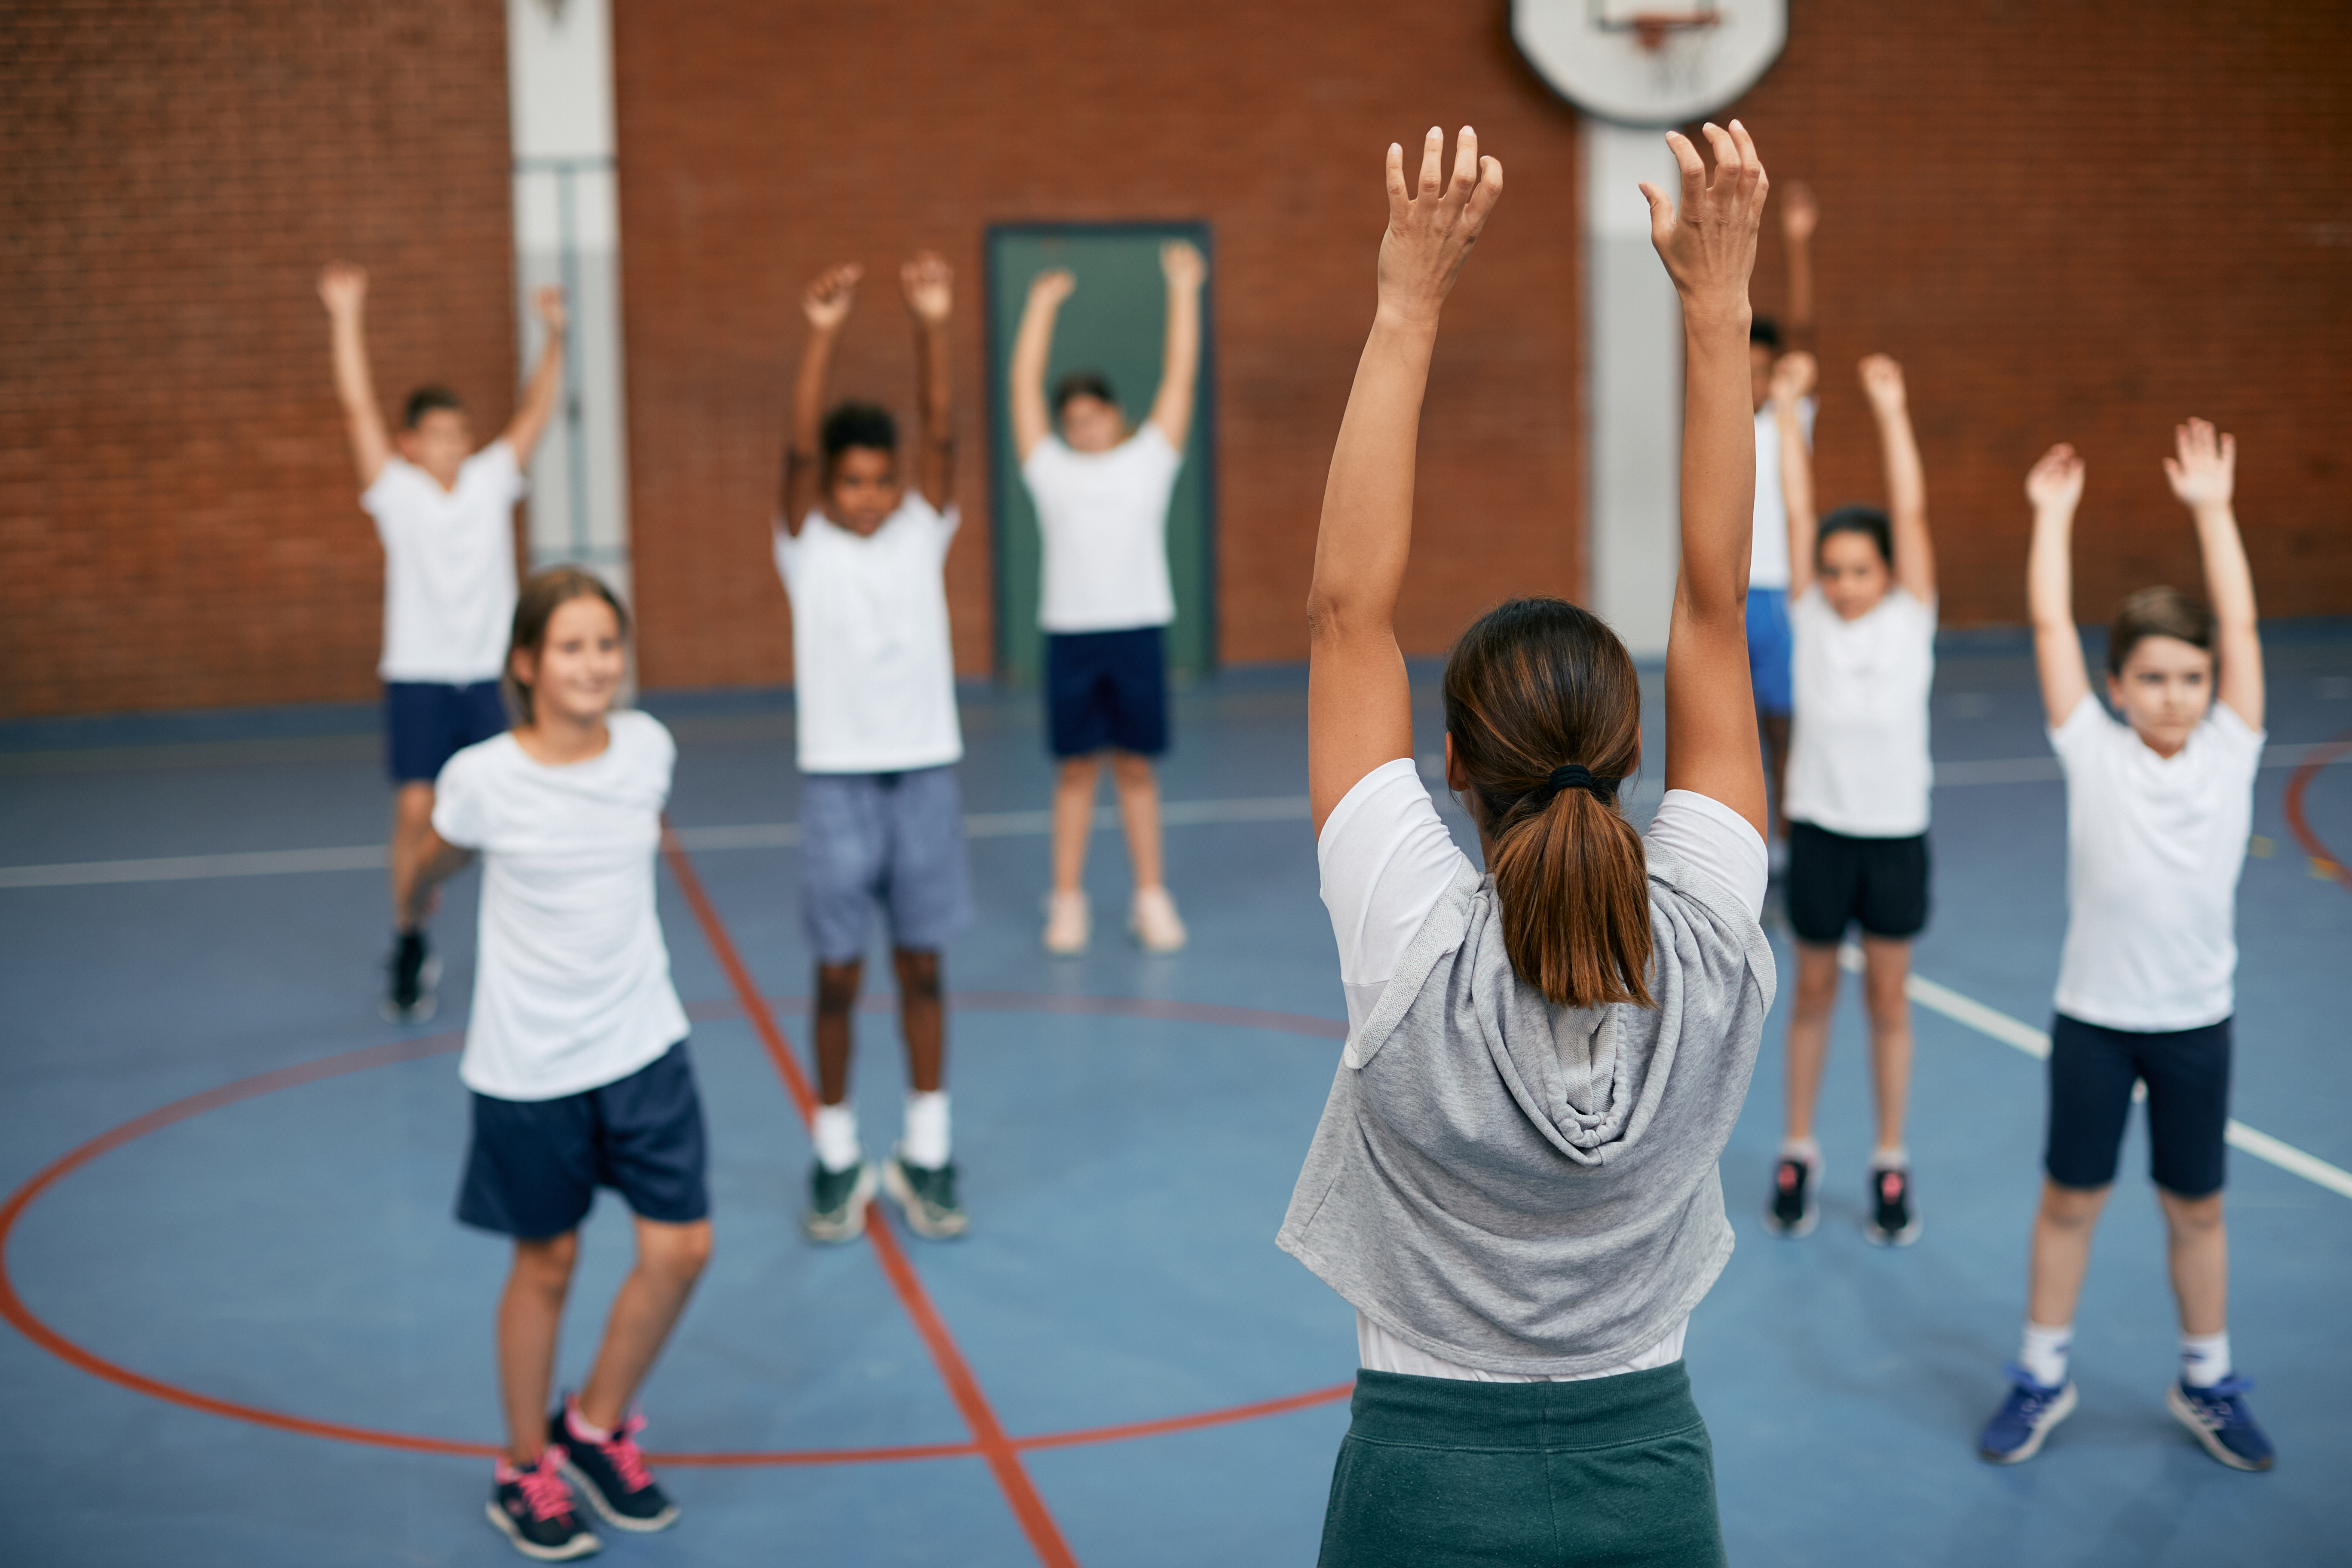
(1068, 924)
(1153, 920)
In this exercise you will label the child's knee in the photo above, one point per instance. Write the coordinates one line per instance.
(1131, 768)
(2189, 1218)
(918, 975)
(2072, 1208)
(680, 1252)
(836, 987)
(545, 1263)
(1079, 773)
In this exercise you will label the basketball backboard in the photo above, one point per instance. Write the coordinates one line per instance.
(1650, 62)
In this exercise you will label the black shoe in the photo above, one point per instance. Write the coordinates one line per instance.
(928, 1196)
(1894, 1222)
(533, 1510)
(612, 1475)
(1796, 1205)
(413, 970)
(837, 1200)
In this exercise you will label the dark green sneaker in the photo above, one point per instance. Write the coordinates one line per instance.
(837, 1201)
(928, 1196)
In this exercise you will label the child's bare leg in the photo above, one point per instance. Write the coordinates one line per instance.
(1809, 1032)
(923, 1018)
(1074, 820)
(411, 814)
(1886, 964)
(1139, 808)
(2062, 1251)
(530, 1315)
(2198, 1247)
(1776, 765)
(670, 1258)
(836, 998)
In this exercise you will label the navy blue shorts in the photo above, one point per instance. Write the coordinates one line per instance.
(536, 1164)
(1107, 689)
(2092, 1070)
(1834, 880)
(1769, 647)
(892, 840)
(426, 723)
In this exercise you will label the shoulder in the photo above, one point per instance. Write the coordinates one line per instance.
(1150, 441)
(478, 767)
(1714, 840)
(494, 462)
(640, 731)
(1904, 608)
(2230, 729)
(916, 512)
(1047, 455)
(2085, 731)
(396, 479)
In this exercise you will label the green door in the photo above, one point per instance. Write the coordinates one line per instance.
(1113, 324)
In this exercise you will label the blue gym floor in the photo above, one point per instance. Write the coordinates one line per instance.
(1128, 1127)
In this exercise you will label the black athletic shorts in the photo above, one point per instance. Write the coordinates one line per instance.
(1107, 689)
(1879, 884)
(535, 1164)
(2092, 1070)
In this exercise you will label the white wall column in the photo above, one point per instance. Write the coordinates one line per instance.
(1633, 386)
(568, 231)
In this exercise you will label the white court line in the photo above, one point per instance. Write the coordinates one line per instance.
(2035, 1043)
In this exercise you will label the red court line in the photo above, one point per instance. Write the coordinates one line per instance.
(987, 1433)
(1281, 1406)
(2323, 860)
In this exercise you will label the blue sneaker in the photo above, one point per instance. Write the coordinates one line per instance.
(2219, 1418)
(2016, 1431)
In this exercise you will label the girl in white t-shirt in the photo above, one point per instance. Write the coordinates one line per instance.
(1514, 1182)
(1862, 614)
(2159, 807)
(575, 1053)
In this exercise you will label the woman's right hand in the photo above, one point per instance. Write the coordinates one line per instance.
(1431, 230)
(1708, 239)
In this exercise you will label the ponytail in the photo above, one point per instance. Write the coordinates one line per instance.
(1544, 709)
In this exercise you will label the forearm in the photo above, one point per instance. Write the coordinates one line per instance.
(1718, 465)
(1906, 500)
(437, 861)
(2050, 572)
(1366, 532)
(1031, 345)
(2228, 580)
(934, 392)
(1797, 496)
(1180, 361)
(808, 394)
(354, 386)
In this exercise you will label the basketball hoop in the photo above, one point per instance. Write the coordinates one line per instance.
(1650, 62)
(1652, 30)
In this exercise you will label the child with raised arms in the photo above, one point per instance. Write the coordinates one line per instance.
(1514, 1181)
(575, 1054)
(447, 521)
(1102, 497)
(862, 555)
(2159, 806)
(1861, 612)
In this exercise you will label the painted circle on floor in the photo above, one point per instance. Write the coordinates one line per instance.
(13, 1307)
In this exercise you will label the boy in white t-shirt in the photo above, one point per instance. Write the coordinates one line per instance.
(863, 557)
(2157, 811)
(446, 521)
(1768, 560)
(1102, 512)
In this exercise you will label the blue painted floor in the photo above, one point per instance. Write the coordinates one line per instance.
(293, 1251)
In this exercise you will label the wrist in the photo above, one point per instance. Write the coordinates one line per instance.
(1412, 316)
(2217, 511)
(1714, 312)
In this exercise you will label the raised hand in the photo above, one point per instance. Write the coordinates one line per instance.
(1182, 263)
(1708, 240)
(2204, 472)
(1431, 230)
(828, 300)
(553, 314)
(1053, 286)
(2056, 481)
(344, 286)
(929, 284)
(1800, 214)
(1793, 376)
(1881, 382)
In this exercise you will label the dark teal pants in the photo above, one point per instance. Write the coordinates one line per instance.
(1436, 1473)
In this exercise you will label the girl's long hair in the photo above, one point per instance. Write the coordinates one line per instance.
(542, 593)
(1534, 685)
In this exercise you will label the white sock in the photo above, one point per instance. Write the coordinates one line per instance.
(2204, 1359)
(580, 1426)
(2043, 1356)
(1809, 1149)
(925, 1140)
(1896, 1158)
(835, 1135)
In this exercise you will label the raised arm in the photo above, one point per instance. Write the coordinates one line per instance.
(929, 284)
(343, 288)
(1800, 214)
(2204, 475)
(1792, 382)
(1907, 481)
(826, 305)
(2056, 489)
(1358, 705)
(530, 422)
(1708, 245)
(1186, 269)
(1032, 422)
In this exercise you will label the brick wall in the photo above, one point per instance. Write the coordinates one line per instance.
(178, 516)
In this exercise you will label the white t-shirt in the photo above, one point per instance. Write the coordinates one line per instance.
(2154, 846)
(448, 567)
(1858, 760)
(1768, 542)
(1386, 859)
(873, 668)
(572, 986)
(1104, 518)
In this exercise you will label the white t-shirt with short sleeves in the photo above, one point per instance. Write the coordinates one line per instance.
(1104, 520)
(1858, 762)
(873, 664)
(1386, 859)
(571, 987)
(1767, 540)
(448, 567)
(2154, 846)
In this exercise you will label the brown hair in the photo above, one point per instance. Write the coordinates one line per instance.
(543, 593)
(1533, 686)
(2157, 613)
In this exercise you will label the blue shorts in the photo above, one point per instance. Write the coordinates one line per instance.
(536, 1164)
(1107, 688)
(2092, 1070)
(1768, 650)
(426, 723)
(894, 839)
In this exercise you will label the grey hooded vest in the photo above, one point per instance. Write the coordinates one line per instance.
(1524, 1188)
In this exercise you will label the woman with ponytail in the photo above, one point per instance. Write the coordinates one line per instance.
(1514, 1181)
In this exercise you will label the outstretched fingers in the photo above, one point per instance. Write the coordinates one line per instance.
(1432, 163)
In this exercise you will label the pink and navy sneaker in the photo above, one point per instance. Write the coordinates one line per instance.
(533, 1510)
(610, 1471)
